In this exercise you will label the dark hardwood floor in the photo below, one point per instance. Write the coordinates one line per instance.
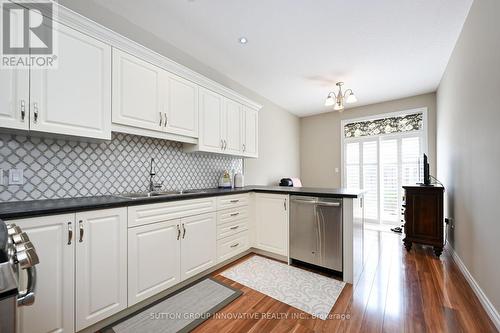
(396, 292)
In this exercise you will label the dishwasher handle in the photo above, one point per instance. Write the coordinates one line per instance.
(329, 204)
(311, 202)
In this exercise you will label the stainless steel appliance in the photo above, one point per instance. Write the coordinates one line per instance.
(316, 231)
(17, 255)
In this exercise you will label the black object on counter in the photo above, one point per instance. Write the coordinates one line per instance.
(286, 182)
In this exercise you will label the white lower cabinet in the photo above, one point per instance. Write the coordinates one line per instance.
(163, 254)
(153, 259)
(53, 310)
(198, 244)
(271, 223)
(82, 274)
(101, 265)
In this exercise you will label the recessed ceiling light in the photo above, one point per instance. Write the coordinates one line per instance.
(243, 40)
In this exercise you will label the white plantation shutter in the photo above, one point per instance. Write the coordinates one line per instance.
(390, 181)
(410, 157)
(381, 165)
(370, 178)
(352, 165)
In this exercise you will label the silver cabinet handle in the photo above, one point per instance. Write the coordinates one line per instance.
(225, 144)
(23, 110)
(35, 112)
(166, 119)
(235, 245)
(234, 214)
(161, 119)
(235, 227)
(183, 231)
(80, 223)
(178, 232)
(284, 203)
(221, 144)
(244, 147)
(234, 201)
(70, 233)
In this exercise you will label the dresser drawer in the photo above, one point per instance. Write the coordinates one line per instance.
(233, 214)
(231, 246)
(235, 200)
(164, 211)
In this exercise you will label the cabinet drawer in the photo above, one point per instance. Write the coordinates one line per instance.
(231, 228)
(235, 200)
(145, 214)
(233, 214)
(231, 246)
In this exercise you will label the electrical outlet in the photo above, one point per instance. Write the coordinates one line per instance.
(16, 177)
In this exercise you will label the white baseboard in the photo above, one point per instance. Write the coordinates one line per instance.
(488, 307)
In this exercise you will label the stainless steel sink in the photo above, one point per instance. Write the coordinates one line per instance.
(142, 195)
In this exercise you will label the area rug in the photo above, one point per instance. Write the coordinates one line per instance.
(181, 312)
(307, 291)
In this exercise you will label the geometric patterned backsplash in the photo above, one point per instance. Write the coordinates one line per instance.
(55, 168)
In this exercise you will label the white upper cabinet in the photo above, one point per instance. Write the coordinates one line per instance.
(101, 265)
(226, 126)
(211, 113)
(232, 128)
(147, 97)
(182, 106)
(137, 92)
(250, 132)
(14, 90)
(14, 99)
(74, 98)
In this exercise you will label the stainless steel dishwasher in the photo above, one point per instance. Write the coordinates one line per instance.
(316, 231)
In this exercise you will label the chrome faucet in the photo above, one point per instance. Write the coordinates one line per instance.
(153, 187)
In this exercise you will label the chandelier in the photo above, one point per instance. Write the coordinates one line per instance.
(340, 98)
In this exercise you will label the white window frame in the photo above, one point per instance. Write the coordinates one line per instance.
(423, 135)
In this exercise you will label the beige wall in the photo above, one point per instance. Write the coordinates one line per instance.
(278, 129)
(320, 138)
(468, 148)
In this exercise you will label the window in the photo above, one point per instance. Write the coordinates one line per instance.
(381, 156)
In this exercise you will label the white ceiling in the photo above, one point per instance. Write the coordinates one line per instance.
(297, 50)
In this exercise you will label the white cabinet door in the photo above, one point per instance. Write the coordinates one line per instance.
(182, 109)
(14, 99)
(74, 98)
(53, 310)
(211, 113)
(198, 244)
(14, 88)
(250, 132)
(101, 265)
(153, 259)
(232, 128)
(271, 214)
(138, 92)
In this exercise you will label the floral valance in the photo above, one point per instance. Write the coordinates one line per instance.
(407, 123)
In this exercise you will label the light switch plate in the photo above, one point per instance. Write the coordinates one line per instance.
(16, 177)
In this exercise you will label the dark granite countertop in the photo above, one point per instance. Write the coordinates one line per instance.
(18, 209)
